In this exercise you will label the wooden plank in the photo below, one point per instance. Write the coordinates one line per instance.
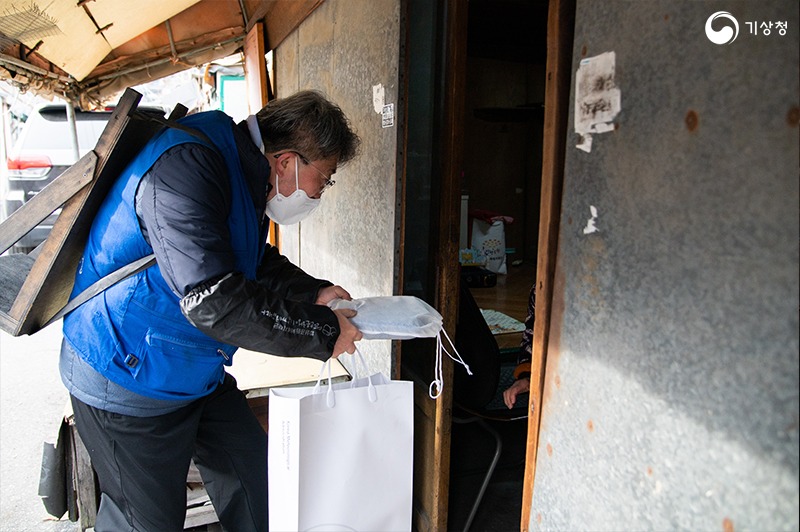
(560, 29)
(179, 111)
(14, 269)
(199, 516)
(425, 464)
(49, 283)
(199, 510)
(87, 496)
(51, 197)
(433, 419)
(422, 401)
(72, 490)
(196, 495)
(257, 80)
(448, 277)
(255, 68)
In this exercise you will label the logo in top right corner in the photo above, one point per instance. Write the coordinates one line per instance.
(730, 27)
(725, 35)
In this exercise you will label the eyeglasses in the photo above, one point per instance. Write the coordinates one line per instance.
(326, 180)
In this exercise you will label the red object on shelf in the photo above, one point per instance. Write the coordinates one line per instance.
(490, 216)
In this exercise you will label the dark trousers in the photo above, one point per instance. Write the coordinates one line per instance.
(142, 463)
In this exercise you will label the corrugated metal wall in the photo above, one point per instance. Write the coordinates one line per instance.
(671, 393)
(350, 51)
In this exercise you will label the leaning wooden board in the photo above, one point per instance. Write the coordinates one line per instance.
(34, 288)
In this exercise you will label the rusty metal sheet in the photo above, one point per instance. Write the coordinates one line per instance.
(671, 397)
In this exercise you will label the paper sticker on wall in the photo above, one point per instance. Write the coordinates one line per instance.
(387, 115)
(591, 227)
(597, 98)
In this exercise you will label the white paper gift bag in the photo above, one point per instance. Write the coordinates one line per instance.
(341, 457)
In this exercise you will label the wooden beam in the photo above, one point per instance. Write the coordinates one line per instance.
(48, 283)
(255, 68)
(51, 197)
(87, 496)
(560, 29)
(452, 98)
(257, 80)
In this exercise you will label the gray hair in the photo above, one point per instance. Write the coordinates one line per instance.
(306, 122)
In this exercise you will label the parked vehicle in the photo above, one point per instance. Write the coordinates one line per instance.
(45, 150)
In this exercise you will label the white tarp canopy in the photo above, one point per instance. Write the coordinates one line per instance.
(88, 49)
(76, 37)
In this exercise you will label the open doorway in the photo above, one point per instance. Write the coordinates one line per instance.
(502, 168)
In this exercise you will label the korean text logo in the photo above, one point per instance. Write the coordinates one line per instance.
(730, 28)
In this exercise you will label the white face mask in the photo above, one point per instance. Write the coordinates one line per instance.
(289, 210)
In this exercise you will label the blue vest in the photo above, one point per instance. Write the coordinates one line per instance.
(134, 333)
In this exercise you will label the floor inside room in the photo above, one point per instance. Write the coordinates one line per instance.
(471, 454)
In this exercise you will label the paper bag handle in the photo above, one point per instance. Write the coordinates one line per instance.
(330, 399)
(372, 394)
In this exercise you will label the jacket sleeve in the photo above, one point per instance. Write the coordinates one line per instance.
(278, 274)
(245, 313)
(275, 314)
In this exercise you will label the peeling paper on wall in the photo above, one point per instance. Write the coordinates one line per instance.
(597, 98)
(378, 98)
(590, 224)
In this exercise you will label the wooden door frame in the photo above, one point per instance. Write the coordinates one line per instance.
(560, 29)
(433, 418)
(448, 274)
(560, 32)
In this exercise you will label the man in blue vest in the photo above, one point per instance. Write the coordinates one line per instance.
(144, 360)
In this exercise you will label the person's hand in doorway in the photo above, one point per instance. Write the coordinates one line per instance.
(520, 385)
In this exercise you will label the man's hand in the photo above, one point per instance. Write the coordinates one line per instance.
(520, 386)
(329, 293)
(348, 333)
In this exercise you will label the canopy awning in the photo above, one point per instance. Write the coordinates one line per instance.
(88, 50)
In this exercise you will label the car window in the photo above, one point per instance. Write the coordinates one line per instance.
(46, 132)
(50, 131)
(42, 153)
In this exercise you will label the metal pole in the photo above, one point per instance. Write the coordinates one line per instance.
(5, 111)
(73, 130)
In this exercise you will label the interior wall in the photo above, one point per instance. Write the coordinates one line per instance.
(671, 384)
(350, 51)
(503, 116)
(502, 159)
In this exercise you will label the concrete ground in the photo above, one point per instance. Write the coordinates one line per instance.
(32, 401)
